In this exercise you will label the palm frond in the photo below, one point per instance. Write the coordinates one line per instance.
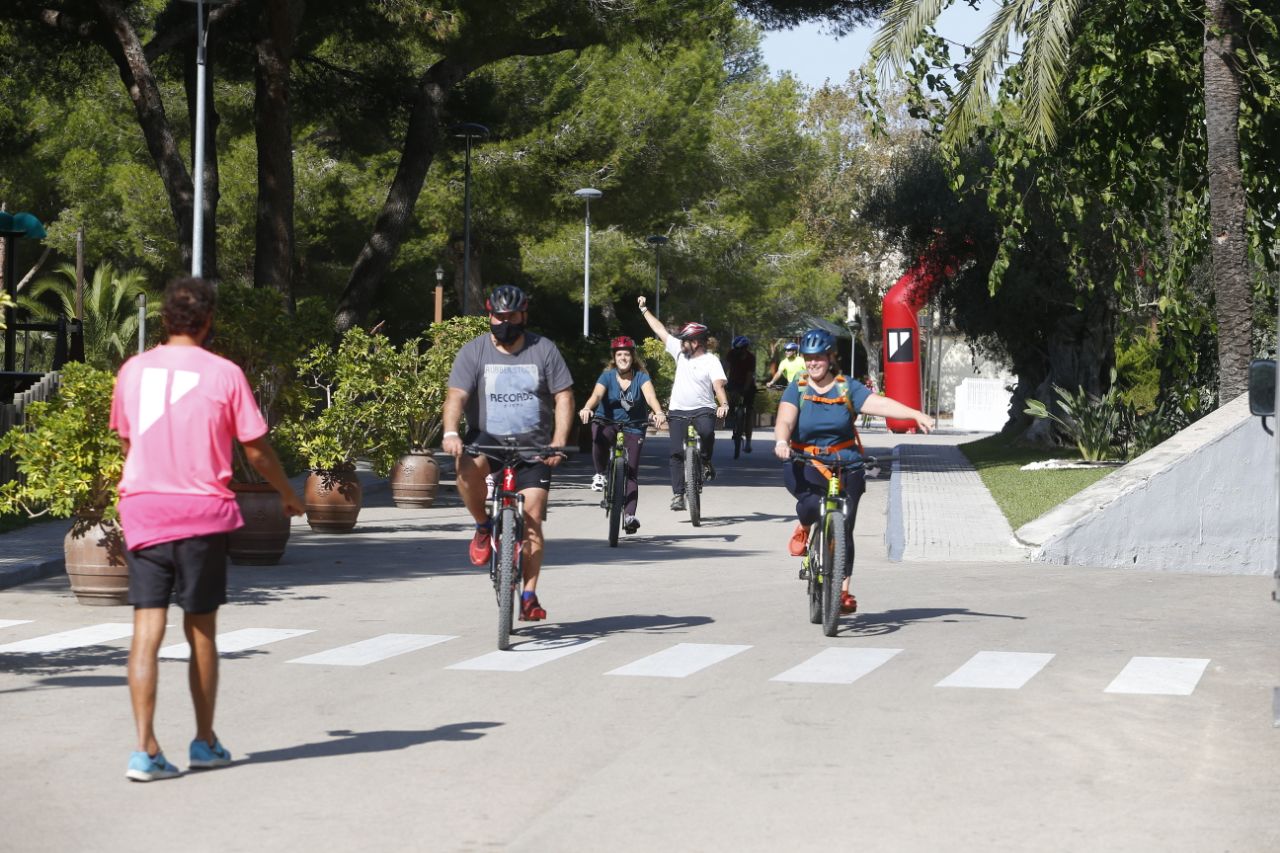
(902, 25)
(1045, 58)
(988, 59)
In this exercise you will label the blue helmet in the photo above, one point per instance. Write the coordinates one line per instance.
(741, 341)
(816, 342)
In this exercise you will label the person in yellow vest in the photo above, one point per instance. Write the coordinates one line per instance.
(817, 415)
(791, 366)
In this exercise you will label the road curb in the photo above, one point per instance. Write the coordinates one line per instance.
(895, 536)
(11, 576)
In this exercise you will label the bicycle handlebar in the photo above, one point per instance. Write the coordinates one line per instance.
(801, 456)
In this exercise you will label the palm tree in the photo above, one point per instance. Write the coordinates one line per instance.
(110, 309)
(1047, 27)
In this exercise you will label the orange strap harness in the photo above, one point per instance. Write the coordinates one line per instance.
(842, 387)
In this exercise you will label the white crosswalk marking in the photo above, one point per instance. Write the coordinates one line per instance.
(374, 649)
(1159, 676)
(237, 641)
(93, 635)
(525, 656)
(680, 661)
(9, 623)
(997, 670)
(837, 666)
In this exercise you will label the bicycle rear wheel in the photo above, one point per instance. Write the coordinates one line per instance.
(505, 574)
(735, 418)
(617, 499)
(693, 484)
(833, 563)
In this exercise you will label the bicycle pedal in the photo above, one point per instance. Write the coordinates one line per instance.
(604, 504)
(804, 573)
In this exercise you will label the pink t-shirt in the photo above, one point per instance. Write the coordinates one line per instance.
(179, 407)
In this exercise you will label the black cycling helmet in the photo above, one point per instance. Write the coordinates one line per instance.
(816, 342)
(506, 297)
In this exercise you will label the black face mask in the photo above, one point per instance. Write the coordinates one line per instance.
(507, 333)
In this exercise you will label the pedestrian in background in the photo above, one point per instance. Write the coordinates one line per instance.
(177, 408)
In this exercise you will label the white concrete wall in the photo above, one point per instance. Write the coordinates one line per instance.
(958, 364)
(1203, 501)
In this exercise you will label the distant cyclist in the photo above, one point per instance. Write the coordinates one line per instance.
(817, 416)
(623, 392)
(695, 393)
(511, 383)
(740, 372)
(791, 366)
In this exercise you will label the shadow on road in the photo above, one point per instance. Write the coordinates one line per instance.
(876, 624)
(56, 666)
(591, 629)
(348, 742)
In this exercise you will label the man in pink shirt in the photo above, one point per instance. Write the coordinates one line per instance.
(178, 408)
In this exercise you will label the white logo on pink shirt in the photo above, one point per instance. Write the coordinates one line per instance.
(155, 380)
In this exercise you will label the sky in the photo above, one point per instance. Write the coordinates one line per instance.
(814, 57)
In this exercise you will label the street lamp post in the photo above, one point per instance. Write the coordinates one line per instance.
(197, 222)
(439, 294)
(657, 241)
(586, 194)
(467, 130)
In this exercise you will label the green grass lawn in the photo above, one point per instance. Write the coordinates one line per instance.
(1026, 495)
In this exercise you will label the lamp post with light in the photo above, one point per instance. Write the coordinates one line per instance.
(657, 241)
(586, 194)
(467, 130)
(197, 223)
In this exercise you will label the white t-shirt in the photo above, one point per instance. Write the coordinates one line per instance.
(693, 387)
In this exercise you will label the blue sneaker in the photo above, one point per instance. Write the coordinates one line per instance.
(144, 768)
(204, 756)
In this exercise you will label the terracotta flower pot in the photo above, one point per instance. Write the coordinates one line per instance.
(262, 540)
(94, 555)
(332, 499)
(414, 480)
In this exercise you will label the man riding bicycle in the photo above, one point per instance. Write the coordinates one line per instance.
(623, 393)
(698, 386)
(817, 415)
(511, 383)
(740, 373)
(791, 366)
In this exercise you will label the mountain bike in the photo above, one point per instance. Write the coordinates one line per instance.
(506, 510)
(615, 483)
(693, 474)
(827, 561)
(737, 421)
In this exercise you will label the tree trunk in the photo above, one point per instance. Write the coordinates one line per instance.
(209, 224)
(419, 150)
(140, 83)
(1233, 290)
(274, 229)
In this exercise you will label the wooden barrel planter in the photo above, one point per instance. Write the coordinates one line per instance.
(414, 480)
(262, 540)
(332, 499)
(95, 562)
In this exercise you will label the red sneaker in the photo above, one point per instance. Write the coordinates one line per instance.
(799, 541)
(481, 545)
(848, 604)
(531, 610)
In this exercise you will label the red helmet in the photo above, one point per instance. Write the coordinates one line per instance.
(622, 342)
(692, 331)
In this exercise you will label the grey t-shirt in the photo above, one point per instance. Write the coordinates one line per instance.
(511, 395)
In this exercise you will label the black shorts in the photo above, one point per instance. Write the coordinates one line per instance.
(529, 475)
(195, 568)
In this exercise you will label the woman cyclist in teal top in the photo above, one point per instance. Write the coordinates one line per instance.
(625, 393)
(817, 415)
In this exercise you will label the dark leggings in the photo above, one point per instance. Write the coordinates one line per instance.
(602, 438)
(704, 422)
(809, 487)
(748, 396)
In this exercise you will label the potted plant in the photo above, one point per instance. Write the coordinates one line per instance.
(69, 463)
(424, 382)
(354, 415)
(256, 332)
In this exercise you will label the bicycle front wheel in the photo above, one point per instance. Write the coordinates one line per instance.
(814, 561)
(505, 574)
(693, 485)
(617, 499)
(833, 563)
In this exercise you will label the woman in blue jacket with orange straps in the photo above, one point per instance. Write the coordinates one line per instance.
(817, 415)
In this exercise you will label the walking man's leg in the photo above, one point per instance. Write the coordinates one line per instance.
(202, 670)
(144, 650)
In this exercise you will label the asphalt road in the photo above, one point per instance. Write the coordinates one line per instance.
(678, 699)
